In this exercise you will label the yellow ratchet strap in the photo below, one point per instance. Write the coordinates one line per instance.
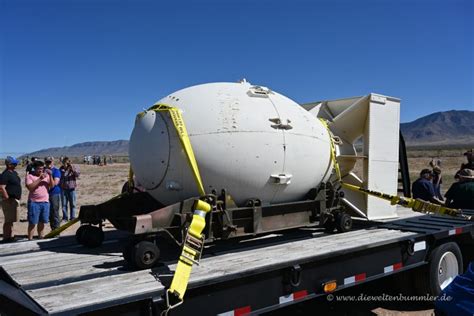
(191, 253)
(194, 241)
(60, 229)
(180, 127)
(333, 149)
(416, 205)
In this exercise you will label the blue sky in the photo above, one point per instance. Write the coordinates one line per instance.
(74, 71)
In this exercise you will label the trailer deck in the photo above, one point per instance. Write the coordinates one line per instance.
(59, 277)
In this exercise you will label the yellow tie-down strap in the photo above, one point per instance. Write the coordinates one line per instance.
(333, 149)
(60, 229)
(180, 127)
(415, 204)
(194, 241)
(191, 251)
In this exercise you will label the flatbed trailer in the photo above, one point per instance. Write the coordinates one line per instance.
(235, 277)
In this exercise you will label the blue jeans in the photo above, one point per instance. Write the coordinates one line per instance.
(54, 205)
(69, 197)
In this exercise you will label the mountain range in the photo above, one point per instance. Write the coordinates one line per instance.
(109, 148)
(450, 128)
(441, 129)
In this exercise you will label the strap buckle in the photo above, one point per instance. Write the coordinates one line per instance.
(171, 306)
(195, 244)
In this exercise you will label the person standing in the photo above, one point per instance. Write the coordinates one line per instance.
(437, 181)
(68, 183)
(38, 183)
(468, 165)
(10, 190)
(54, 193)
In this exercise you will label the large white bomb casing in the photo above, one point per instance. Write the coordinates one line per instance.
(249, 140)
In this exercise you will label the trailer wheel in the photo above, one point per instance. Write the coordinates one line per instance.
(127, 252)
(79, 233)
(329, 226)
(90, 236)
(145, 255)
(444, 265)
(343, 222)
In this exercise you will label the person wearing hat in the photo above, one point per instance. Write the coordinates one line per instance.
(461, 193)
(54, 193)
(423, 188)
(10, 190)
(468, 165)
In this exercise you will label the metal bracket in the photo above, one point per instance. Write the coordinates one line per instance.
(258, 91)
(168, 305)
(281, 178)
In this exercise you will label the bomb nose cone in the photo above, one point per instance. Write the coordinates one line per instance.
(149, 149)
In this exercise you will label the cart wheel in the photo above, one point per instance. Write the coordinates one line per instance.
(343, 222)
(444, 265)
(145, 255)
(329, 226)
(127, 252)
(79, 234)
(91, 236)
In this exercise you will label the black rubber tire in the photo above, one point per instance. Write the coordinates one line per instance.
(343, 222)
(145, 255)
(329, 226)
(92, 237)
(80, 233)
(127, 253)
(426, 282)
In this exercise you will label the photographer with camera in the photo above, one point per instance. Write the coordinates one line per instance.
(38, 182)
(68, 183)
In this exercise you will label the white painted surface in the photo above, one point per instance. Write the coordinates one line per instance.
(235, 145)
(375, 118)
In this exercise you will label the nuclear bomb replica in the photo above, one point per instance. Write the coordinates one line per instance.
(262, 161)
(252, 141)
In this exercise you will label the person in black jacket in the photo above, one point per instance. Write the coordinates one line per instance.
(10, 191)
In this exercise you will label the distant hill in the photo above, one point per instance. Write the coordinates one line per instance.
(113, 148)
(451, 128)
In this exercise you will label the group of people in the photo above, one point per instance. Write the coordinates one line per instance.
(97, 160)
(49, 189)
(461, 193)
